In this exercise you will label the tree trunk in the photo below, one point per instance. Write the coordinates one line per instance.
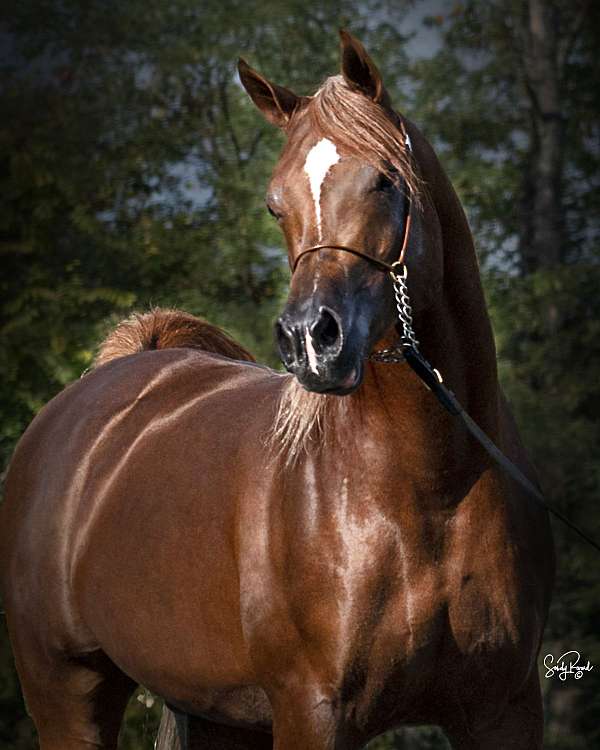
(542, 224)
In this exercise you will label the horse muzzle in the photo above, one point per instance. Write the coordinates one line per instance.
(313, 347)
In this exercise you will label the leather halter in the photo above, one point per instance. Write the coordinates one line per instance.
(377, 262)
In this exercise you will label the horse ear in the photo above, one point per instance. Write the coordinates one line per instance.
(360, 71)
(275, 102)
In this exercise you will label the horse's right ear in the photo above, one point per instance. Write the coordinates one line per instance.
(276, 103)
(360, 71)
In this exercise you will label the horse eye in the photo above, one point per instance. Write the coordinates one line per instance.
(384, 183)
(273, 213)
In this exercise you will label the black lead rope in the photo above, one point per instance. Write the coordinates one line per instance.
(435, 383)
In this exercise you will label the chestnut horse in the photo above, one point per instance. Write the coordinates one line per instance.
(297, 561)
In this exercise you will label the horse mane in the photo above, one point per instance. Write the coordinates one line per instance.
(301, 421)
(167, 329)
(365, 128)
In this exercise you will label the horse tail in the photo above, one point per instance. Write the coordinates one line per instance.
(167, 329)
(169, 733)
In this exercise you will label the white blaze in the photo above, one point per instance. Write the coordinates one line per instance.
(319, 161)
(311, 353)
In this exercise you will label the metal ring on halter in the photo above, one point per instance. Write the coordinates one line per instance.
(402, 265)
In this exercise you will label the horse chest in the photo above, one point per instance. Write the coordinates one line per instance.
(338, 583)
(392, 601)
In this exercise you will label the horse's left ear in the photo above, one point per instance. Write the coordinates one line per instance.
(360, 71)
(275, 102)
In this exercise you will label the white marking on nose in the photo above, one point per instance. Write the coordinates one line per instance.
(319, 161)
(311, 353)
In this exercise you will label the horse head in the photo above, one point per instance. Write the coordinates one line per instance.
(346, 179)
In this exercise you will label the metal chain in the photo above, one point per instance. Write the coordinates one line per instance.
(392, 355)
(403, 306)
(395, 354)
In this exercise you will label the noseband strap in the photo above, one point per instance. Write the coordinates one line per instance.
(377, 262)
(381, 264)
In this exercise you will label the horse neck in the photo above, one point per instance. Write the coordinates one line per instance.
(456, 337)
(457, 333)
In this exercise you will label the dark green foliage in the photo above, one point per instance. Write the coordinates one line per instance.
(142, 718)
(16, 730)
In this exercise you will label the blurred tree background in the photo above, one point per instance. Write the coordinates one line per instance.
(133, 171)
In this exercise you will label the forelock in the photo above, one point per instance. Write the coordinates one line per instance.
(364, 128)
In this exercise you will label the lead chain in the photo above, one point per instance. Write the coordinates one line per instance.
(404, 307)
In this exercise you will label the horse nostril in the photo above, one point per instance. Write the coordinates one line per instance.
(285, 342)
(326, 332)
